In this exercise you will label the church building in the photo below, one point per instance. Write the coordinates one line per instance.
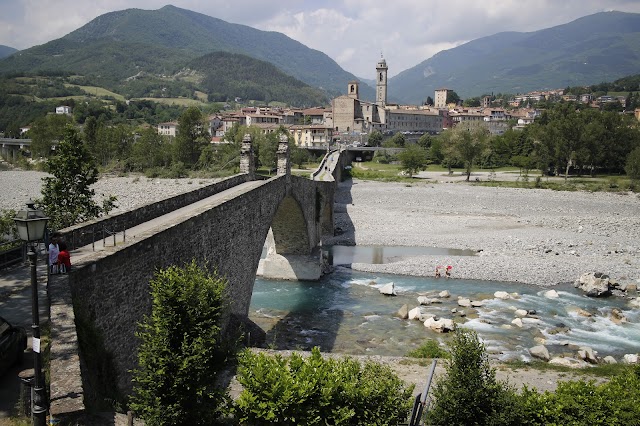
(352, 115)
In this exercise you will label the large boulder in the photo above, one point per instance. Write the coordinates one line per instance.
(424, 300)
(635, 303)
(414, 314)
(388, 289)
(617, 316)
(540, 352)
(521, 313)
(551, 294)
(403, 312)
(587, 354)
(610, 360)
(568, 362)
(594, 284)
(502, 295)
(442, 325)
(464, 302)
(630, 359)
(444, 294)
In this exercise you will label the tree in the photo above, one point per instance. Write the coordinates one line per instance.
(413, 159)
(429, 101)
(299, 156)
(191, 138)
(632, 166)
(469, 394)
(375, 138)
(469, 143)
(452, 97)
(67, 197)
(45, 131)
(182, 349)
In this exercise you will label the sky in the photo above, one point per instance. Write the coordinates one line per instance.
(354, 33)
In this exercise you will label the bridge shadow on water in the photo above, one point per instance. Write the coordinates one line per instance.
(313, 320)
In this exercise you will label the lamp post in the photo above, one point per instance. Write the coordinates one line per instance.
(31, 224)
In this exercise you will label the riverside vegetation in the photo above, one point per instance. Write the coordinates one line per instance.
(180, 371)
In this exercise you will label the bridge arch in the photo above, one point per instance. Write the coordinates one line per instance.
(290, 229)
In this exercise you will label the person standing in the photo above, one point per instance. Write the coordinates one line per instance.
(64, 259)
(54, 251)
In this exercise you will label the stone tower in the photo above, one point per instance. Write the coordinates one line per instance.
(381, 82)
(352, 90)
(247, 157)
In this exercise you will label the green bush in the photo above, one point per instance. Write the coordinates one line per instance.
(615, 403)
(469, 393)
(318, 391)
(182, 350)
(429, 349)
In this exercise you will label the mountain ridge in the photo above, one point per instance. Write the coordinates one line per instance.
(594, 48)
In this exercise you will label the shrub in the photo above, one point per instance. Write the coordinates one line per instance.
(615, 403)
(182, 351)
(318, 391)
(429, 349)
(469, 393)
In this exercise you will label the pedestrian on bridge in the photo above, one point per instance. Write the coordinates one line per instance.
(54, 251)
(64, 259)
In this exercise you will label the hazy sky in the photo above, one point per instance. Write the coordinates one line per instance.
(352, 32)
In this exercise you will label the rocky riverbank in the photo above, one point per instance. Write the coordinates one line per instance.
(533, 236)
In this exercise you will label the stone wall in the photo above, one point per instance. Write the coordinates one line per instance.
(111, 289)
(90, 231)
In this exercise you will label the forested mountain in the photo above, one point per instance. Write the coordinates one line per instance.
(6, 51)
(227, 75)
(118, 45)
(600, 47)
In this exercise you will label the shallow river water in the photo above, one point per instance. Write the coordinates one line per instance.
(345, 313)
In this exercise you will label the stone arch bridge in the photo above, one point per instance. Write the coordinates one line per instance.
(98, 305)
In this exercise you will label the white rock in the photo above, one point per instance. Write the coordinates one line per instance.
(635, 303)
(587, 354)
(502, 295)
(424, 300)
(530, 320)
(444, 294)
(403, 312)
(388, 289)
(568, 362)
(540, 352)
(477, 303)
(464, 302)
(520, 313)
(517, 322)
(551, 294)
(630, 359)
(414, 314)
(610, 360)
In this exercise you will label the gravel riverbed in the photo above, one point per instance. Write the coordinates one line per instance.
(533, 236)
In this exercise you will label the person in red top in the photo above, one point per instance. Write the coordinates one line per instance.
(64, 258)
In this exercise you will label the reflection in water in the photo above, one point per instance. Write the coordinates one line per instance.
(345, 313)
(345, 255)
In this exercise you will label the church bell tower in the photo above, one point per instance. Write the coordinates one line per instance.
(381, 82)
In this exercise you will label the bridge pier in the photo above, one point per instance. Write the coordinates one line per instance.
(291, 267)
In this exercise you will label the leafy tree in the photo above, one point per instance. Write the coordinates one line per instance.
(425, 141)
(429, 101)
(396, 141)
(150, 150)
(413, 159)
(45, 131)
(67, 197)
(191, 138)
(469, 143)
(452, 97)
(182, 349)
(8, 229)
(632, 166)
(299, 156)
(375, 138)
(470, 394)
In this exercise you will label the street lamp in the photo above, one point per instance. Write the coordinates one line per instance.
(31, 224)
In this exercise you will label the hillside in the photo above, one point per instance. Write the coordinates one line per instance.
(229, 75)
(6, 51)
(600, 47)
(121, 44)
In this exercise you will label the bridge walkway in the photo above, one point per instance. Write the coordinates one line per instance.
(130, 234)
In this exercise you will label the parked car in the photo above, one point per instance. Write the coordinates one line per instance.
(13, 342)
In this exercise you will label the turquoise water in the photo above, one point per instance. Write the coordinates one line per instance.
(345, 313)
